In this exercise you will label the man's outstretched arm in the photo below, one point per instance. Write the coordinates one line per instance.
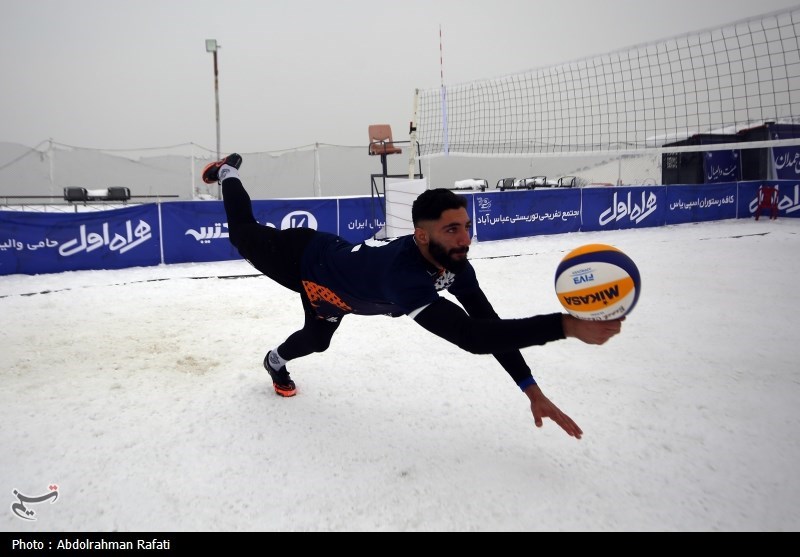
(449, 321)
(489, 335)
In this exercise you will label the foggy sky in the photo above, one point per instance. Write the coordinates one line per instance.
(135, 73)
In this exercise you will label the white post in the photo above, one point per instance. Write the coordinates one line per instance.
(192, 189)
(216, 102)
(51, 156)
(317, 173)
(212, 47)
(412, 151)
(443, 96)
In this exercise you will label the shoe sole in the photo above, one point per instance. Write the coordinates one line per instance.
(210, 165)
(283, 391)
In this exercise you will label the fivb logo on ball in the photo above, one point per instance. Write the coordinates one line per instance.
(597, 282)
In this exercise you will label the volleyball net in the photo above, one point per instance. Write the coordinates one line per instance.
(713, 90)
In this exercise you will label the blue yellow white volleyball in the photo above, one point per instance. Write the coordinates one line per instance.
(597, 282)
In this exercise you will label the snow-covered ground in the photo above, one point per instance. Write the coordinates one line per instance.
(140, 394)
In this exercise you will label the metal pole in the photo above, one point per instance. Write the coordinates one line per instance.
(51, 159)
(317, 172)
(193, 192)
(216, 97)
(412, 131)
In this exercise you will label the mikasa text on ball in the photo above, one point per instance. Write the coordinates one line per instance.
(597, 282)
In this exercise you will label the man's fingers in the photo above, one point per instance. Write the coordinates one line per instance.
(567, 424)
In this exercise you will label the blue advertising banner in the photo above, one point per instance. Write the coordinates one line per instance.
(617, 208)
(359, 219)
(747, 197)
(721, 166)
(196, 231)
(697, 203)
(514, 214)
(787, 162)
(32, 243)
(319, 214)
(788, 197)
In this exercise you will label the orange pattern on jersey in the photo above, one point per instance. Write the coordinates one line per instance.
(315, 293)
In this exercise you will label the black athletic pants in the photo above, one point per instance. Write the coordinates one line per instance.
(277, 254)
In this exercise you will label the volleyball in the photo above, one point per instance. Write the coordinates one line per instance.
(597, 282)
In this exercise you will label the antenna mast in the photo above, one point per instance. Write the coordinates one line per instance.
(443, 94)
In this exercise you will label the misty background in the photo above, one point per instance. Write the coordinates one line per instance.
(102, 94)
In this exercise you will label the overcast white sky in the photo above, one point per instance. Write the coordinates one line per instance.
(135, 73)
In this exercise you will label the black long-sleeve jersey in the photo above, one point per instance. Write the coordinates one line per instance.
(391, 277)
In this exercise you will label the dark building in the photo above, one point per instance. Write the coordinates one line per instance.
(688, 167)
(749, 164)
(757, 163)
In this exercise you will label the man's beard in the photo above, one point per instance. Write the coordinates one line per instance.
(445, 258)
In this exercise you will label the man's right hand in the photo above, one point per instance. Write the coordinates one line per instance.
(590, 332)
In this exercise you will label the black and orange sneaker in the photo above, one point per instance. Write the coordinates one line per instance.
(211, 171)
(281, 381)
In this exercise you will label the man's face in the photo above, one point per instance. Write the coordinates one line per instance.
(449, 238)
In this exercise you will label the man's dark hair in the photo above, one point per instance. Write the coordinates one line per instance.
(432, 203)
